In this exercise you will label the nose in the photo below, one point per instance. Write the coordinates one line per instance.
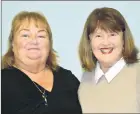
(34, 40)
(106, 40)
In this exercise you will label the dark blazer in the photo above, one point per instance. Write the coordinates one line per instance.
(20, 96)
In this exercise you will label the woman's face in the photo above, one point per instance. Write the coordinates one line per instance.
(31, 44)
(107, 46)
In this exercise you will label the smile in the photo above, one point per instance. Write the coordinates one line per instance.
(106, 50)
(33, 49)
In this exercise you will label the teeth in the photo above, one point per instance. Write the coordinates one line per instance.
(105, 51)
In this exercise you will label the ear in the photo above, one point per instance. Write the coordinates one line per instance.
(12, 46)
(123, 45)
(90, 37)
(90, 46)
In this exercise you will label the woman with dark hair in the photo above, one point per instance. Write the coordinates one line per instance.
(108, 56)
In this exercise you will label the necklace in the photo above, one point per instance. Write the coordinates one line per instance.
(44, 96)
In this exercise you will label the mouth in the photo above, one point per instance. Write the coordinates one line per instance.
(106, 50)
(33, 49)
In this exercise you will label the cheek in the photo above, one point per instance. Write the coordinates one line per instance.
(95, 49)
(19, 46)
(45, 45)
(119, 45)
(95, 45)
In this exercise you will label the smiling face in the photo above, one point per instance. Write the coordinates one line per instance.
(107, 46)
(31, 44)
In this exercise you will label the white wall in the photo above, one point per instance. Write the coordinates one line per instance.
(67, 19)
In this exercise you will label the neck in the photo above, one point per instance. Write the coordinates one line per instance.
(104, 69)
(32, 68)
(105, 66)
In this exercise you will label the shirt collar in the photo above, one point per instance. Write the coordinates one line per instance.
(111, 73)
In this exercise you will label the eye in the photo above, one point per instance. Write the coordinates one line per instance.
(25, 35)
(113, 34)
(98, 36)
(41, 36)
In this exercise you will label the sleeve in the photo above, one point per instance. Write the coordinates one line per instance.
(74, 80)
(5, 94)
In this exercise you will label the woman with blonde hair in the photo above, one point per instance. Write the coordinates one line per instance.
(32, 80)
(108, 56)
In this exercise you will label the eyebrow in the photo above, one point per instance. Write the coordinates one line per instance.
(97, 33)
(24, 30)
(42, 31)
(29, 30)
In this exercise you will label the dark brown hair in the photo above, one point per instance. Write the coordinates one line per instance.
(108, 19)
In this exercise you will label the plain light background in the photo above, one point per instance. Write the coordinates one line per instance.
(67, 19)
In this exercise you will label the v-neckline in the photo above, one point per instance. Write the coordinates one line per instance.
(27, 77)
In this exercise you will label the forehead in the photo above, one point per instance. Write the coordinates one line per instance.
(37, 24)
(100, 30)
(28, 23)
(104, 25)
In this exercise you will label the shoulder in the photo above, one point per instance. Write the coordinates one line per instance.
(67, 76)
(7, 70)
(132, 68)
(8, 73)
(87, 76)
(9, 81)
(86, 83)
(12, 78)
(135, 70)
(63, 70)
(135, 65)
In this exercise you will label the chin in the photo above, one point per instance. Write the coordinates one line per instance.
(108, 61)
(34, 57)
